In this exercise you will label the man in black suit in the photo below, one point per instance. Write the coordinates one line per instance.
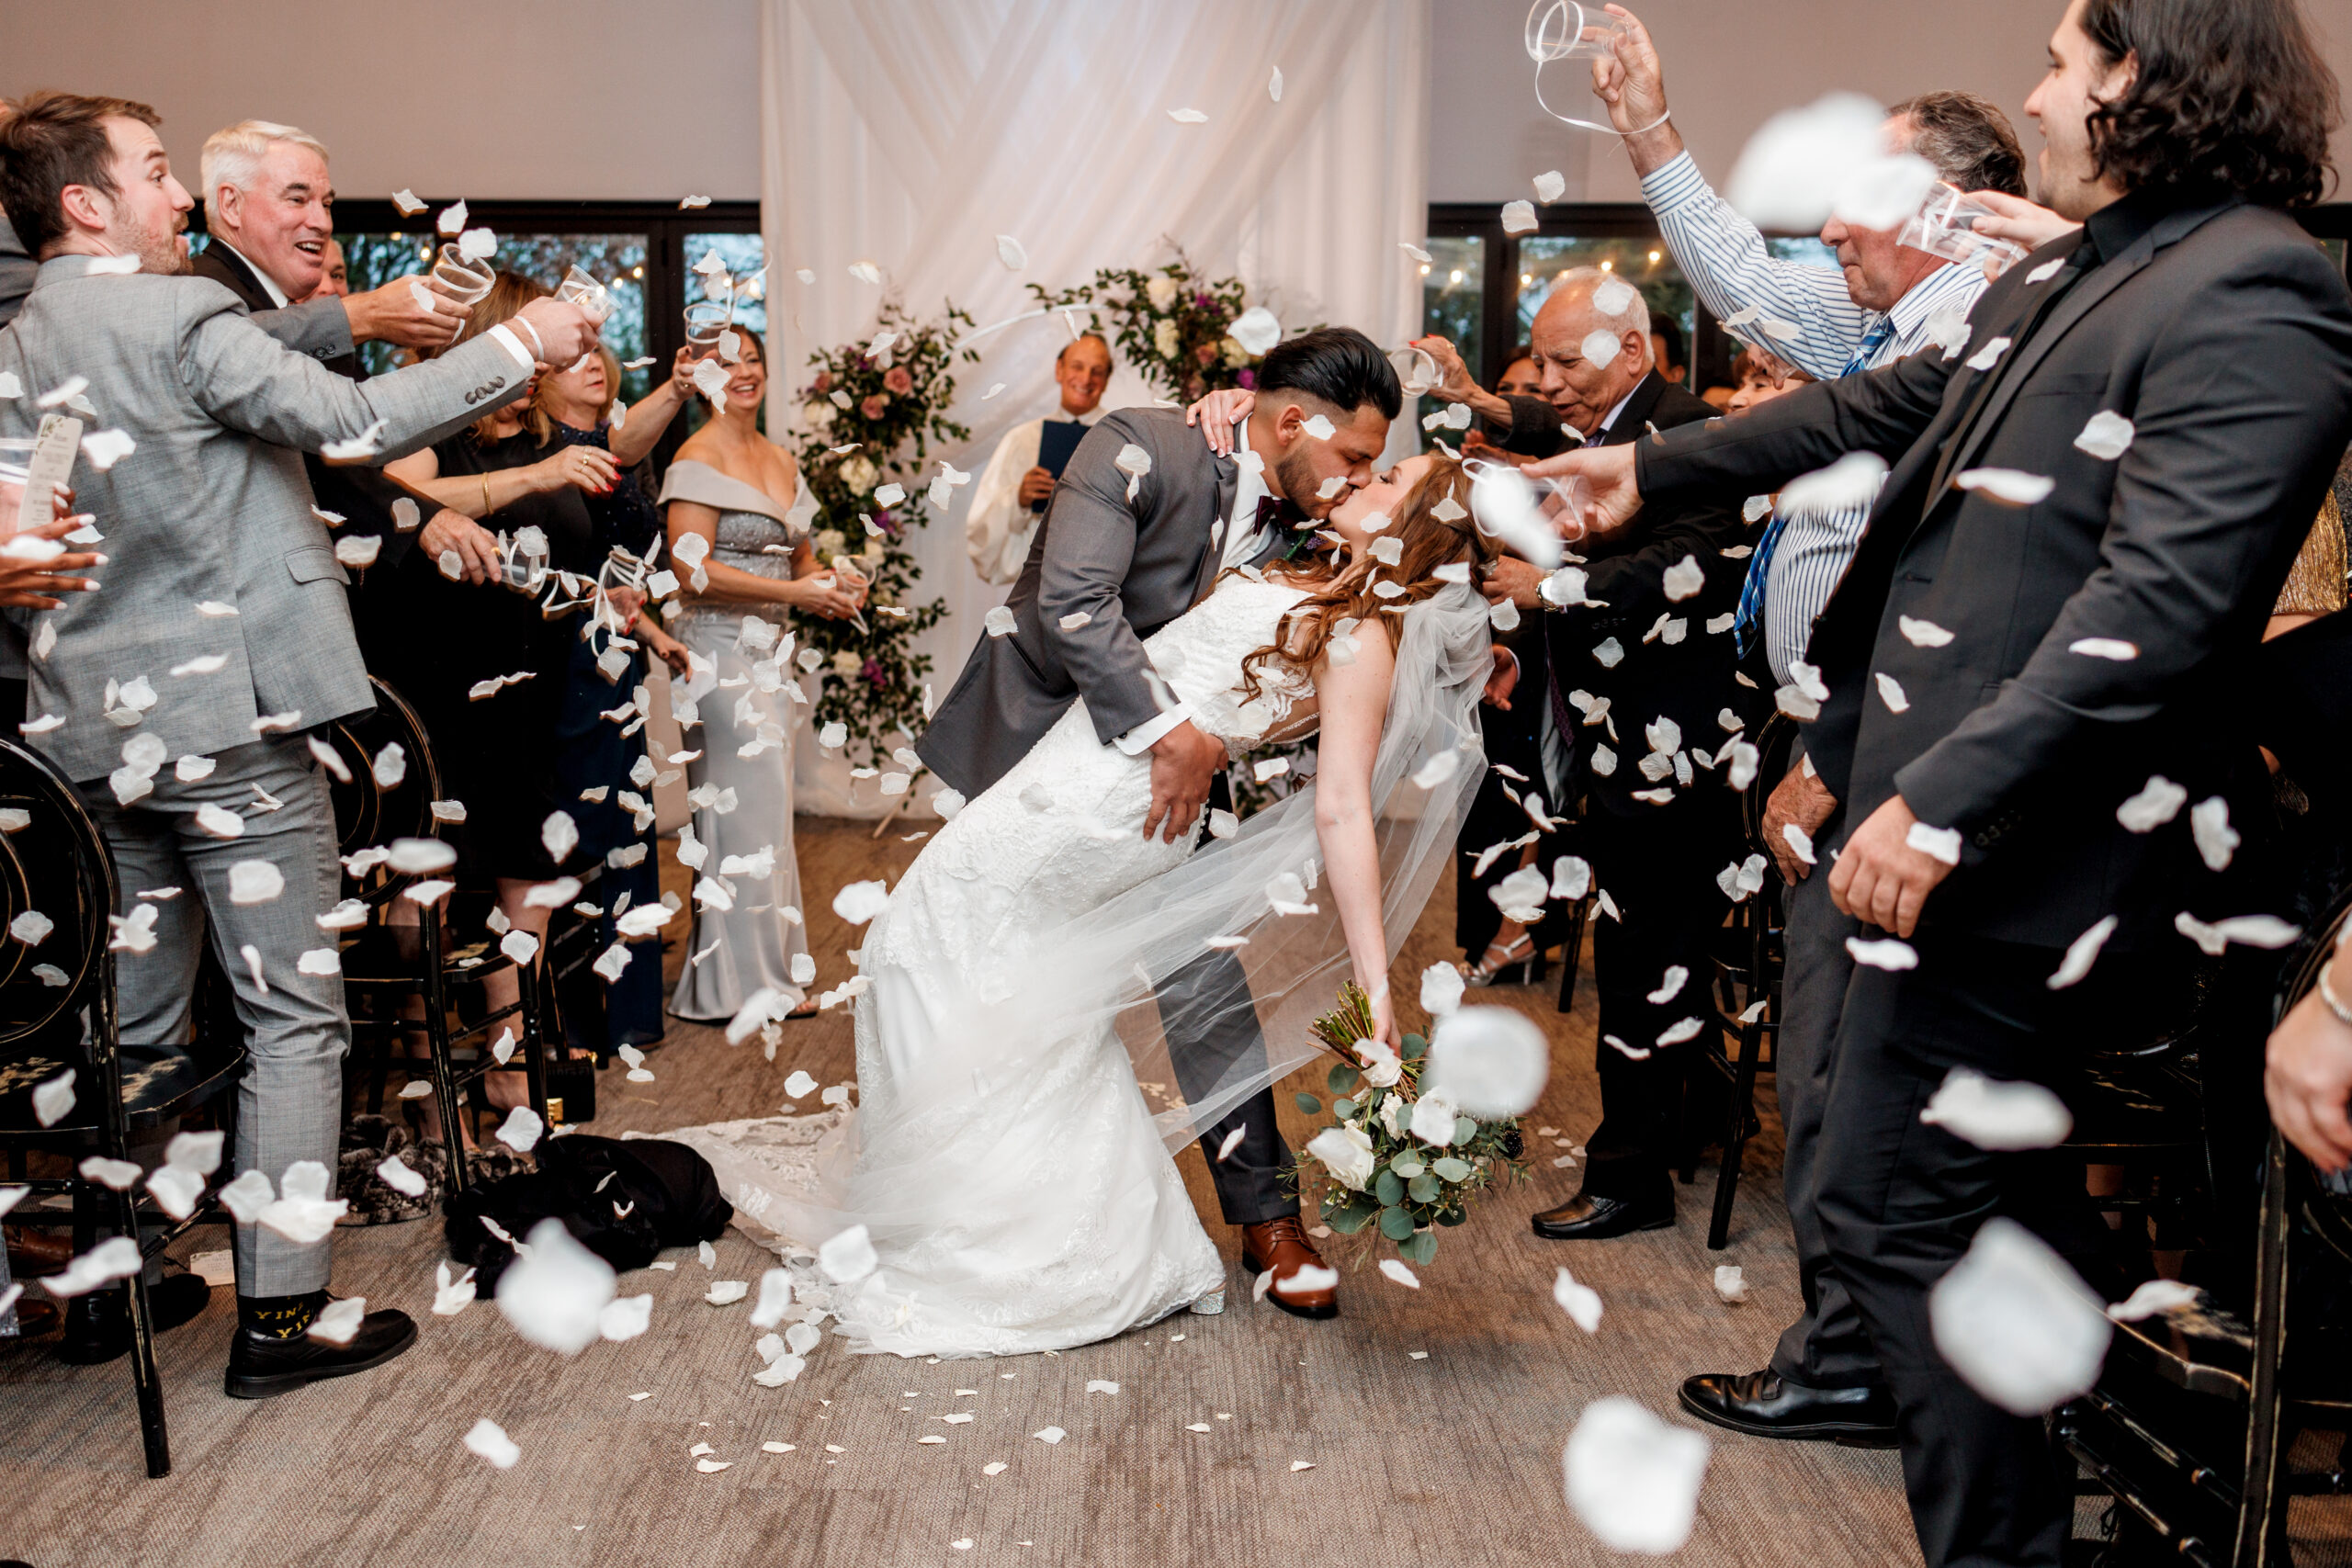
(268, 204)
(1639, 672)
(2092, 504)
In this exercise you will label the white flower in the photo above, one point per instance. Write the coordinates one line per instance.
(818, 416)
(1164, 341)
(1162, 292)
(1346, 1152)
(1393, 1110)
(1434, 1121)
(859, 475)
(847, 663)
(829, 542)
(1381, 1069)
(1235, 354)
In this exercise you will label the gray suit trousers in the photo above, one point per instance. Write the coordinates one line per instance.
(290, 1104)
(1826, 1346)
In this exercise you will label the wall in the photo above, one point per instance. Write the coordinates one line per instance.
(1729, 66)
(616, 99)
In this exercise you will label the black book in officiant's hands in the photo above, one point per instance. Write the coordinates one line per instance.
(1055, 442)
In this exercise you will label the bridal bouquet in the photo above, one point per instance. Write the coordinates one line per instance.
(1401, 1158)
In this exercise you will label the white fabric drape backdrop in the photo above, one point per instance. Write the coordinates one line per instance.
(912, 132)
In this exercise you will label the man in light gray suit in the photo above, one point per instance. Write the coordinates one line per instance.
(219, 637)
(1106, 571)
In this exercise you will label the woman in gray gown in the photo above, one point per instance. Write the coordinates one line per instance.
(735, 502)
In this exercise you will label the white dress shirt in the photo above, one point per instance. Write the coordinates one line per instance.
(269, 285)
(998, 529)
(1731, 268)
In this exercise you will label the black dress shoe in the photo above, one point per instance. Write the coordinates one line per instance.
(1765, 1404)
(261, 1365)
(1588, 1218)
(97, 1325)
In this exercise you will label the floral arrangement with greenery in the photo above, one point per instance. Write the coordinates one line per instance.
(868, 421)
(1174, 327)
(1395, 1162)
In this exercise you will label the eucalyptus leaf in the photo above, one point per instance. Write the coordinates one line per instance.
(1310, 1105)
(1464, 1129)
(1389, 1188)
(1452, 1216)
(1396, 1224)
(1419, 1247)
(1408, 1165)
(1425, 1189)
(1349, 1220)
(1343, 1079)
(1344, 1110)
(1415, 1047)
(1451, 1170)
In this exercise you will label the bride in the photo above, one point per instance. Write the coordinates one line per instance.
(1004, 1186)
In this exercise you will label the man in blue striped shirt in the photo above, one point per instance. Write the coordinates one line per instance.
(1887, 301)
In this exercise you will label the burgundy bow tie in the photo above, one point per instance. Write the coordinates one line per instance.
(1273, 512)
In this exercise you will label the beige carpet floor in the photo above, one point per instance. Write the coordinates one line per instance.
(1449, 1459)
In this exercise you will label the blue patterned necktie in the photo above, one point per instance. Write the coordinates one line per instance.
(1751, 591)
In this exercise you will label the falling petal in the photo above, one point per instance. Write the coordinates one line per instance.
(1887, 953)
(2107, 436)
(1993, 1114)
(2017, 1324)
(2008, 486)
(1518, 218)
(1632, 1479)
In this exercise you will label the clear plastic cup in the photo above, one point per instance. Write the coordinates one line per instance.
(459, 278)
(1416, 369)
(1563, 30)
(592, 296)
(1945, 225)
(705, 319)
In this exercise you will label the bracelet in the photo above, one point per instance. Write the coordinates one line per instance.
(2327, 995)
(537, 342)
(486, 507)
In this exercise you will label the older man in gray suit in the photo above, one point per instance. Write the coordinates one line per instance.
(1104, 572)
(220, 638)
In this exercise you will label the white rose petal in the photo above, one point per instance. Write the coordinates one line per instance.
(1632, 1479)
(2017, 1324)
(2107, 436)
(1995, 1114)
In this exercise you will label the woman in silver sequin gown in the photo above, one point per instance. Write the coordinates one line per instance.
(741, 495)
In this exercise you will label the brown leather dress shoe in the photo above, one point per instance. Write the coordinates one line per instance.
(1282, 1246)
(33, 1253)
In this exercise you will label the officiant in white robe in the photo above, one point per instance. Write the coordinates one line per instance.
(1014, 489)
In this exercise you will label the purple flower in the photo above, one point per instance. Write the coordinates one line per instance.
(875, 675)
(1246, 380)
(1202, 301)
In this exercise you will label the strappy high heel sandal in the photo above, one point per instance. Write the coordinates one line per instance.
(1519, 964)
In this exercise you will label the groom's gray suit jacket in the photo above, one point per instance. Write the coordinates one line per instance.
(210, 507)
(1130, 567)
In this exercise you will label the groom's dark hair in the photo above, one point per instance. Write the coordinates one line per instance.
(1337, 366)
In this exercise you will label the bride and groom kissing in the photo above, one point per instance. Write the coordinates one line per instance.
(1094, 915)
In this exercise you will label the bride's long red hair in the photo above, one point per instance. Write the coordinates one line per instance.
(1429, 542)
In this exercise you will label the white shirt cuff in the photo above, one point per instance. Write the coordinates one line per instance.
(1144, 736)
(513, 345)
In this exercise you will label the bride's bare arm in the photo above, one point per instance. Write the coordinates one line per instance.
(1353, 699)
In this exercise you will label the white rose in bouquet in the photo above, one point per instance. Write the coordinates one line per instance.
(860, 476)
(1346, 1151)
(1164, 341)
(1162, 292)
(818, 416)
(1381, 1068)
(1235, 356)
(1434, 1121)
(829, 542)
(847, 663)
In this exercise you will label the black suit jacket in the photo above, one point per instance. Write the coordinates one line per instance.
(363, 496)
(2225, 336)
(1689, 680)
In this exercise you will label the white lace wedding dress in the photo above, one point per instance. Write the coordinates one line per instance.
(1018, 1192)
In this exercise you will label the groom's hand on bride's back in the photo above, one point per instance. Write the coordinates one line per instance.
(1184, 762)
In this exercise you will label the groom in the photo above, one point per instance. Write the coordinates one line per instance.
(1104, 572)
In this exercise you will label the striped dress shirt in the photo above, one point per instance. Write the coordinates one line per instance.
(1730, 268)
